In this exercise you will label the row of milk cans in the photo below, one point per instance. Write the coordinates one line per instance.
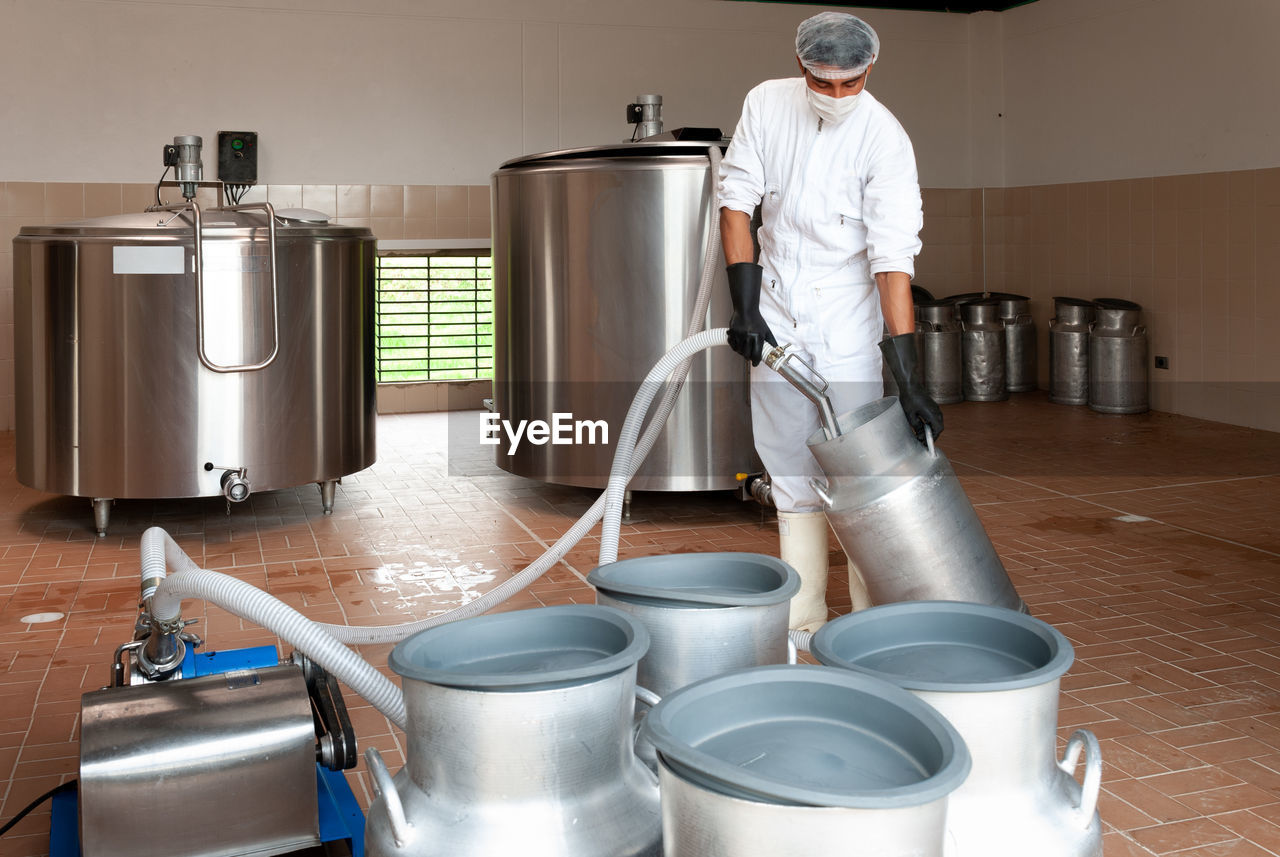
(981, 346)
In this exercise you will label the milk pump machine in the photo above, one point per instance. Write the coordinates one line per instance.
(257, 744)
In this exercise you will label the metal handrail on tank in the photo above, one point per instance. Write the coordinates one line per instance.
(198, 232)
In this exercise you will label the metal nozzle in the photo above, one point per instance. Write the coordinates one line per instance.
(808, 382)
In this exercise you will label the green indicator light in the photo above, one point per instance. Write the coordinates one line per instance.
(237, 144)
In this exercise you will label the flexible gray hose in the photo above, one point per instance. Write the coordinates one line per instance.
(800, 639)
(249, 602)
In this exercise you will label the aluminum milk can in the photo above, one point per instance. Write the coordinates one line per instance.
(706, 614)
(519, 741)
(982, 346)
(1020, 343)
(994, 675)
(1069, 351)
(938, 341)
(901, 516)
(1118, 358)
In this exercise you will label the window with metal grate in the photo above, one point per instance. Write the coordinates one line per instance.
(435, 316)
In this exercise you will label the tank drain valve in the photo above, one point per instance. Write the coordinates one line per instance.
(235, 482)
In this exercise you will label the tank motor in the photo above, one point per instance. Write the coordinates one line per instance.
(184, 157)
(646, 114)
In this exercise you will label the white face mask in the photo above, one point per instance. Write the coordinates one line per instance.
(831, 109)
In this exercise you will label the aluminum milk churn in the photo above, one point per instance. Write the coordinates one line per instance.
(519, 741)
(901, 516)
(994, 675)
(982, 346)
(706, 613)
(1118, 358)
(938, 340)
(1069, 351)
(1019, 341)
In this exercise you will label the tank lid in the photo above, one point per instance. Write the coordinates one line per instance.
(302, 215)
(212, 221)
(640, 149)
(727, 579)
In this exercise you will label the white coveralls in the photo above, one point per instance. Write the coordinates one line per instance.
(840, 203)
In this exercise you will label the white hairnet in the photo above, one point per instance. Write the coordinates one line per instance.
(836, 45)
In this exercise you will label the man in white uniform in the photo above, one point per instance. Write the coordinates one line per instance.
(835, 177)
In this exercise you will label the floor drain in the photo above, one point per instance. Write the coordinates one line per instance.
(39, 618)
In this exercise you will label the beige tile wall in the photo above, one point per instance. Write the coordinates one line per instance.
(1201, 253)
(951, 261)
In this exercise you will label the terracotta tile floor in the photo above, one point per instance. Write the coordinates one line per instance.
(1152, 542)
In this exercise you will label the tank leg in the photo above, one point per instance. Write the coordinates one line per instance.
(101, 514)
(327, 489)
(626, 506)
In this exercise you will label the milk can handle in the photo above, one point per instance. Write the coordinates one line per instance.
(928, 439)
(383, 785)
(649, 699)
(275, 299)
(1082, 740)
(820, 488)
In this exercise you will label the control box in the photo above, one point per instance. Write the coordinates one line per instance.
(238, 157)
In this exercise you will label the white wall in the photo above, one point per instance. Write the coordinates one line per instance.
(419, 91)
(1106, 89)
(442, 91)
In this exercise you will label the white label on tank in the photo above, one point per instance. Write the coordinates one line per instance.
(148, 260)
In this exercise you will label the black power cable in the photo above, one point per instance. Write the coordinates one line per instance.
(67, 786)
(162, 175)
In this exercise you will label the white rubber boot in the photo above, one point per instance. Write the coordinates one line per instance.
(802, 544)
(857, 588)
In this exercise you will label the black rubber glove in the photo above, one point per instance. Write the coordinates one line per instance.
(748, 331)
(900, 356)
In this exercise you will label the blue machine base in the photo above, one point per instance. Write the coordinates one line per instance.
(339, 814)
